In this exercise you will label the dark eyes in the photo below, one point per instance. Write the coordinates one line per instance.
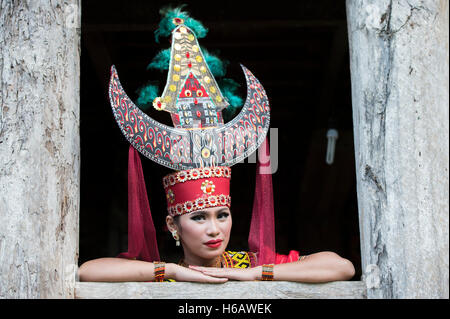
(223, 215)
(199, 217)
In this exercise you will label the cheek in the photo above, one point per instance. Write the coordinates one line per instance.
(191, 232)
(226, 228)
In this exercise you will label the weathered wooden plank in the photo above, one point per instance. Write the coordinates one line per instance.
(39, 147)
(399, 63)
(229, 290)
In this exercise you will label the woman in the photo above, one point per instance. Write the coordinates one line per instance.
(198, 199)
(204, 235)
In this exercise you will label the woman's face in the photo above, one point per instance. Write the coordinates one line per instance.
(205, 234)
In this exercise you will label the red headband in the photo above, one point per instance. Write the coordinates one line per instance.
(198, 188)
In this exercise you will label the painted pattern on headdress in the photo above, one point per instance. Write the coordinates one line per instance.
(199, 138)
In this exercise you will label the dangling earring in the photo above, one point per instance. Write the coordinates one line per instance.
(176, 237)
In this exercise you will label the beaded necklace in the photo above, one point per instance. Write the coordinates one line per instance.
(218, 262)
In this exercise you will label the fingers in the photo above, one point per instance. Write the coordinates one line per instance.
(206, 278)
(215, 280)
(210, 271)
(228, 273)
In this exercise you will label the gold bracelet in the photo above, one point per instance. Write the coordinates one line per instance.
(159, 270)
(267, 272)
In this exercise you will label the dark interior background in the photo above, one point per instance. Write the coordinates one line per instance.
(299, 52)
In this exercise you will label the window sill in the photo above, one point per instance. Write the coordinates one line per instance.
(229, 290)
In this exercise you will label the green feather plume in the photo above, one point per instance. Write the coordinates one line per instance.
(147, 94)
(160, 61)
(216, 66)
(166, 25)
(228, 87)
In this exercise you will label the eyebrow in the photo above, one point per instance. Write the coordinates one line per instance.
(200, 212)
(203, 212)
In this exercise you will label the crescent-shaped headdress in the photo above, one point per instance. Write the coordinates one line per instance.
(200, 147)
(199, 137)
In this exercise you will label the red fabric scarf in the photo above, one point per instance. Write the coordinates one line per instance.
(142, 242)
(261, 239)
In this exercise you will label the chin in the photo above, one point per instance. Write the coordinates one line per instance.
(212, 253)
(216, 252)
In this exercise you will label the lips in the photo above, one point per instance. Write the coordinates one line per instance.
(214, 243)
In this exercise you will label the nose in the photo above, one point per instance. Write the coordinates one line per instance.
(213, 228)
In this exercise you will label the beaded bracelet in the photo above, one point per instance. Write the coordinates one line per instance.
(267, 272)
(159, 270)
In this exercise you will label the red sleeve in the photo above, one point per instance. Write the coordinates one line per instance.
(294, 255)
